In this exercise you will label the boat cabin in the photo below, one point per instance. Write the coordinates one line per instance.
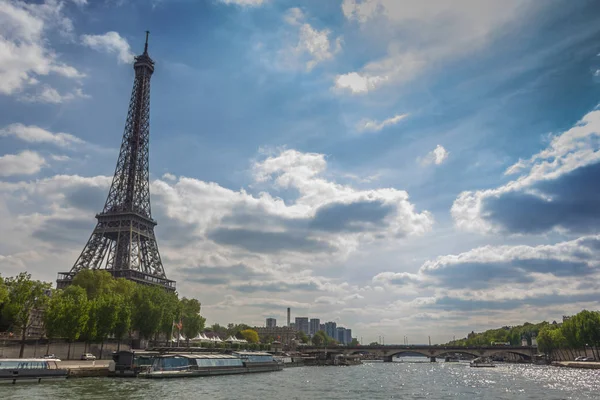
(30, 370)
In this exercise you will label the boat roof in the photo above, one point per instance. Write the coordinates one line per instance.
(211, 356)
(28, 359)
(252, 353)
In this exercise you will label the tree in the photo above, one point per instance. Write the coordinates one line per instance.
(75, 316)
(147, 310)
(354, 342)
(52, 317)
(24, 296)
(320, 339)
(250, 335)
(123, 323)
(106, 315)
(171, 313)
(193, 323)
(3, 291)
(302, 337)
(96, 282)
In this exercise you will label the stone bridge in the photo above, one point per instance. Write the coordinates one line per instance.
(388, 352)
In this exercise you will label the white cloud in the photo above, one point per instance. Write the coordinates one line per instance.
(169, 177)
(24, 163)
(429, 32)
(573, 149)
(48, 94)
(35, 134)
(313, 46)
(24, 55)
(56, 157)
(369, 125)
(248, 3)
(110, 42)
(436, 156)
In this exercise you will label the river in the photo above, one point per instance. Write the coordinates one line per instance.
(399, 380)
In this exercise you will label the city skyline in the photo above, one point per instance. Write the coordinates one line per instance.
(411, 171)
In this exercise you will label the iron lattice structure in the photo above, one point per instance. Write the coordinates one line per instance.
(123, 242)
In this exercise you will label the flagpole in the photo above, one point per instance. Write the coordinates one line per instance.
(171, 338)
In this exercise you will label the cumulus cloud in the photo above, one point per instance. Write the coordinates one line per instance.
(504, 277)
(369, 125)
(112, 43)
(47, 94)
(449, 29)
(436, 156)
(246, 3)
(26, 56)
(35, 134)
(25, 163)
(555, 191)
(313, 46)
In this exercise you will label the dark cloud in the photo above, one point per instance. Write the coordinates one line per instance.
(221, 275)
(87, 198)
(275, 287)
(574, 205)
(482, 275)
(62, 231)
(447, 303)
(353, 217)
(267, 242)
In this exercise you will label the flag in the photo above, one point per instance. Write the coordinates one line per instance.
(179, 325)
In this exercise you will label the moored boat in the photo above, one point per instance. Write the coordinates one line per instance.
(32, 370)
(193, 365)
(482, 363)
(451, 359)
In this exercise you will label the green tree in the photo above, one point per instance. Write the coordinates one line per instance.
(123, 323)
(96, 282)
(53, 317)
(107, 313)
(3, 292)
(24, 296)
(320, 339)
(250, 335)
(147, 310)
(354, 342)
(171, 313)
(75, 315)
(193, 323)
(302, 337)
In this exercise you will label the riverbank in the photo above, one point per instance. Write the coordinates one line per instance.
(576, 364)
(85, 369)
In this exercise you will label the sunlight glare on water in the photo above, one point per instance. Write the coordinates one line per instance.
(378, 380)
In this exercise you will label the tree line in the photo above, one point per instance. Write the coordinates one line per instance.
(506, 334)
(580, 331)
(94, 307)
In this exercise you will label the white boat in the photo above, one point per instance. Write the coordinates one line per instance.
(482, 363)
(33, 370)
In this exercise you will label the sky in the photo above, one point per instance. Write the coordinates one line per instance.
(402, 168)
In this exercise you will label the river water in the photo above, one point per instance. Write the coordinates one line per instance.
(399, 380)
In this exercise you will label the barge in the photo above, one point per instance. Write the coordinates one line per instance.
(30, 370)
(195, 365)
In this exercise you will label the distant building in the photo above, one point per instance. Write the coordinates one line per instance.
(301, 325)
(348, 336)
(314, 326)
(282, 334)
(331, 329)
(322, 327)
(340, 335)
(292, 325)
(271, 322)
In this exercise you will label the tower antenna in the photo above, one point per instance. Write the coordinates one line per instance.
(146, 46)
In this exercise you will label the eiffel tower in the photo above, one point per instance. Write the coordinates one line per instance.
(123, 242)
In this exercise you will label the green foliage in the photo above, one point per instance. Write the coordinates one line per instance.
(107, 312)
(95, 282)
(147, 310)
(171, 312)
(354, 342)
(301, 336)
(250, 335)
(193, 323)
(123, 323)
(75, 309)
(322, 339)
(512, 335)
(373, 344)
(3, 291)
(23, 296)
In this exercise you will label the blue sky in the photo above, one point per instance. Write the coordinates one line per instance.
(401, 169)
